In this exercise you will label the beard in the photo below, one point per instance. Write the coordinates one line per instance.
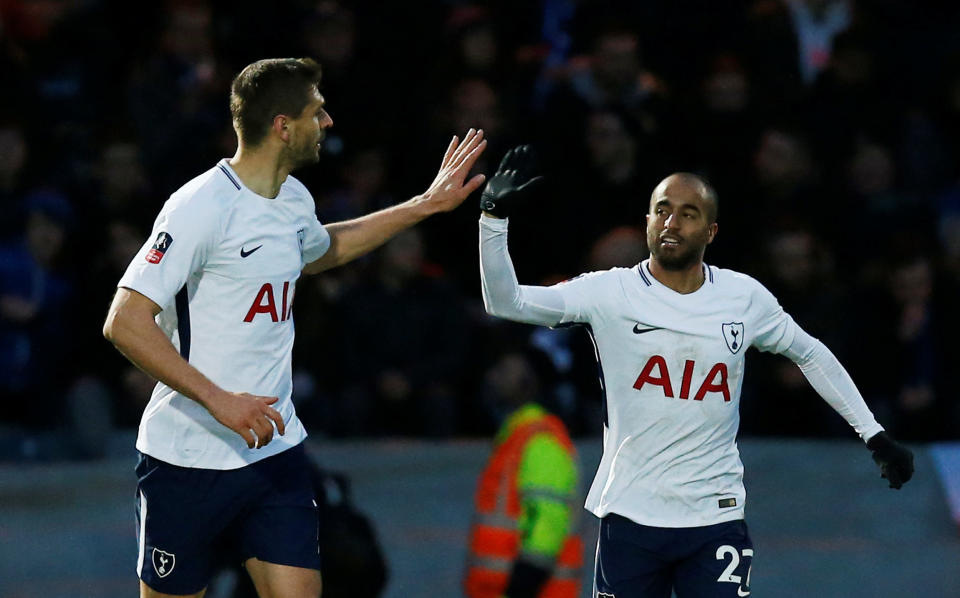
(305, 155)
(683, 257)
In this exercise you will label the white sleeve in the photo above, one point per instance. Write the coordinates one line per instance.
(183, 236)
(313, 236)
(316, 241)
(775, 329)
(503, 296)
(828, 377)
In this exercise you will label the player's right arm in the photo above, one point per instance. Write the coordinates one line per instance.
(503, 296)
(353, 238)
(131, 327)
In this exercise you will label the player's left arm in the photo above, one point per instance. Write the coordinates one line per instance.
(353, 238)
(830, 379)
(776, 332)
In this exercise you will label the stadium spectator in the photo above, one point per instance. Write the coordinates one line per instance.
(785, 104)
(816, 23)
(37, 330)
(524, 540)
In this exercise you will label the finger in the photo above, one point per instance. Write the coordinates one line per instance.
(467, 148)
(899, 475)
(461, 147)
(449, 153)
(515, 158)
(525, 161)
(266, 438)
(249, 438)
(263, 430)
(531, 185)
(473, 184)
(505, 162)
(470, 159)
(269, 400)
(277, 419)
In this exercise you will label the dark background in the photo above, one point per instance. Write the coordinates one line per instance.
(829, 128)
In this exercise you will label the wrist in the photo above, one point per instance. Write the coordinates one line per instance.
(422, 206)
(209, 395)
(878, 439)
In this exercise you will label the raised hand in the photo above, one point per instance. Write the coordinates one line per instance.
(248, 415)
(513, 180)
(448, 189)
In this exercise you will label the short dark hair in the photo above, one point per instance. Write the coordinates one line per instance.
(267, 88)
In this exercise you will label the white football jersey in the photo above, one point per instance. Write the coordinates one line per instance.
(672, 368)
(223, 263)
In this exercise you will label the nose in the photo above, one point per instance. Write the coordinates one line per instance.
(671, 222)
(327, 122)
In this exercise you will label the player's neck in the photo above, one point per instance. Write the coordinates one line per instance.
(260, 169)
(683, 281)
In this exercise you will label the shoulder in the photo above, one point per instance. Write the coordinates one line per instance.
(210, 194)
(294, 185)
(614, 276)
(296, 194)
(737, 282)
(297, 191)
(743, 286)
(545, 445)
(546, 461)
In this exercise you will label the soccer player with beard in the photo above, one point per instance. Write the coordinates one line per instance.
(670, 336)
(205, 307)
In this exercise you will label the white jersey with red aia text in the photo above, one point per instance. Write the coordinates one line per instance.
(672, 368)
(222, 262)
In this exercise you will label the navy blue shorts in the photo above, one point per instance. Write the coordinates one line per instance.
(638, 561)
(189, 519)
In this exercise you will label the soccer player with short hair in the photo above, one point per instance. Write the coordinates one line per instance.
(670, 336)
(205, 307)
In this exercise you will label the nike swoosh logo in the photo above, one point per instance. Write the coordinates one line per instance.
(246, 253)
(638, 330)
(740, 592)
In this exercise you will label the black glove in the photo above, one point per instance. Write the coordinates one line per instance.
(513, 179)
(894, 459)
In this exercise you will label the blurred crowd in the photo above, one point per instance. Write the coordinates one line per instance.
(830, 129)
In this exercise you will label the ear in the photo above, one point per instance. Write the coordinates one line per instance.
(712, 232)
(281, 127)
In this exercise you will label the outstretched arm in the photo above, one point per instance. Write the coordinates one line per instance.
(354, 238)
(832, 382)
(829, 378)
(503, 296)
